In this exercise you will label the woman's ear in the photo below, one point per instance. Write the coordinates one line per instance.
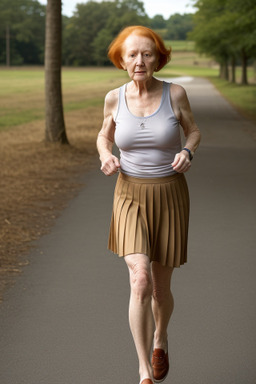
(123, 64)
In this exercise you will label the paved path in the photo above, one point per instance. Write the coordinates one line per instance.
(65, 320)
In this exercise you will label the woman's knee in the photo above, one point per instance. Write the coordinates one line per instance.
(140, 280)
(141, 285)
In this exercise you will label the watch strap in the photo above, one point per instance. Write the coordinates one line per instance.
(189, 152)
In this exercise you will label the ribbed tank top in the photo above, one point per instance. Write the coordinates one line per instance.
(148, 144)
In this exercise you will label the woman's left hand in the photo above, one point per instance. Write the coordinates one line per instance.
(181, 162)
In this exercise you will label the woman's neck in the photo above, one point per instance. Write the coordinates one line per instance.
(142, 87)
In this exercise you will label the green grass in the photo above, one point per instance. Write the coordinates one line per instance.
(241, 96)
(190, 64)
(22, 90)
(175, 71)
(72, 106)
(180, 45)
(10, 117)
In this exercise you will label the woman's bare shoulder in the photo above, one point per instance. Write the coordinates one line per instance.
(111, 102)
(177, 92)
(112, 97)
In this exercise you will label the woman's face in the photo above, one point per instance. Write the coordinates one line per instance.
(139, 57)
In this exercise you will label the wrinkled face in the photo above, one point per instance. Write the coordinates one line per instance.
(140, 57)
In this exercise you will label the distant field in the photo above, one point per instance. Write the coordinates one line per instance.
(181, 45)
(190, 63)
(22, 89)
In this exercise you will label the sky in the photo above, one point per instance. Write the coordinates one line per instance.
(152, 7)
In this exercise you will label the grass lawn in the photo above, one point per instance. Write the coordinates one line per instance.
(22, 89)
(180, 45)
(241, 96)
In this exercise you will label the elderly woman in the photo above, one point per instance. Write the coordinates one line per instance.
(149, 225)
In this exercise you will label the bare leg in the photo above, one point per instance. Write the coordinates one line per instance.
(140, 310)
(162, 303)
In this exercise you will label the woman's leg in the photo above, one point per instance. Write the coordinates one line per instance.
(140, 310)
(162, 303)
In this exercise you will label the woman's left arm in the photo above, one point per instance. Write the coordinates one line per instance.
(182, 109)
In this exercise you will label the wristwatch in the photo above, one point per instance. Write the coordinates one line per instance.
(191, 153)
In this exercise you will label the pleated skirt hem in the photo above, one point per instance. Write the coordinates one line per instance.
(151, 216)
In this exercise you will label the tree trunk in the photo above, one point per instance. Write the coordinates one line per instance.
(221, 75)
(7, 34)
(226, 74)
(220, 70)
(233, 75)
(54, 117)
(244, 68)
(224, 70)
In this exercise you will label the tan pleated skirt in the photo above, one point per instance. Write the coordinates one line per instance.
(151, 216)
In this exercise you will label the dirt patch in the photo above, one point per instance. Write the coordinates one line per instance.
(37, 181)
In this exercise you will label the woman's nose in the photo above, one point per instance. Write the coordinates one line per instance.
(140, 59)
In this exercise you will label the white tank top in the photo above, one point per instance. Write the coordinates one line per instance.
(147, 144)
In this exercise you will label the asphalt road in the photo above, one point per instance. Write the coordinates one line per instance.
(65, 321)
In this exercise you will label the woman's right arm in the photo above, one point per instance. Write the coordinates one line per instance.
(109, 163)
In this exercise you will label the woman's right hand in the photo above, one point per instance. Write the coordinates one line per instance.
(110, 165)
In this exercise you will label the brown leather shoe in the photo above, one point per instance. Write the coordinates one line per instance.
(146, 381)
(160, 365)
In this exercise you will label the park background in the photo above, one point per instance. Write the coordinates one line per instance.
(38, 177)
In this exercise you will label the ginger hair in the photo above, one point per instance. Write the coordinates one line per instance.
(116, 47)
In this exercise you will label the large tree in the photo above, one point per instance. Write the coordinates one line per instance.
(90, 30)
(178, 26)
(158, 22)
(54, 116)
(226, 30)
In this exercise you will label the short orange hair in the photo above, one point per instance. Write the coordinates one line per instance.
(115, 48)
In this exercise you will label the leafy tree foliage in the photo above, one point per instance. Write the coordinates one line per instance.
(93, 26)
(25, 21)
(178, 26)
(226, 30)
(158, 22)
(86, 35)
(100, 45)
